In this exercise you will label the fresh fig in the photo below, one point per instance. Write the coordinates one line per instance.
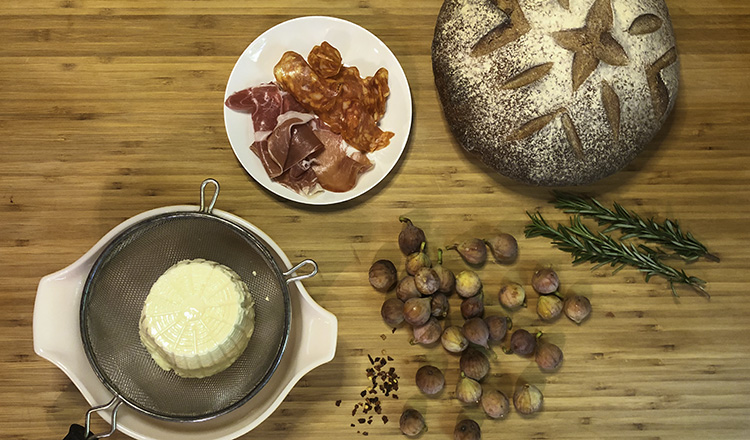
(472, 250)
(417, 260)
(392, 312)
(504, 248)
(446, 276)
(383, 276)
(410, 238)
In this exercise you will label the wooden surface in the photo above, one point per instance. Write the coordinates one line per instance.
(108, 109)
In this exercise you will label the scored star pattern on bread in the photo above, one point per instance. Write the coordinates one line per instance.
(591, 45)
(504, 33)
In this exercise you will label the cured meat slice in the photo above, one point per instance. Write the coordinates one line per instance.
(377, 85)
(325, 60)
(315, 93)
(300, 178)
(274, 150)
(303, 144)
(358, 128)
(371, 92)
(263, 102)
(350, 105)
(289, 104)
(337, 171)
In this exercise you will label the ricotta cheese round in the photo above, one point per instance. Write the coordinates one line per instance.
(197, 318)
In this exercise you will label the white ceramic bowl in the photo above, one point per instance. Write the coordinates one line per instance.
(57, 338)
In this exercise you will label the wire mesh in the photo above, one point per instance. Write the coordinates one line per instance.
(116, 289)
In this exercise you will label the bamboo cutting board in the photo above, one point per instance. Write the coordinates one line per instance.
(108, 109)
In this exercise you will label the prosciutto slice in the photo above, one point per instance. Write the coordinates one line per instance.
(336, 170)
(300, 178)
(296, 148)
(289, 104)
(277, 152)
(263, 103)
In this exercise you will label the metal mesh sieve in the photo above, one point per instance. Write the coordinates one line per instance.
(117, 286)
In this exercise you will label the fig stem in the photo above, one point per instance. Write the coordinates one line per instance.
(488, 351)
(510, 323)
(403, 219)
(440, 256)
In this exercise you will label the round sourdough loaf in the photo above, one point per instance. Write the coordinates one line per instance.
(555, 92)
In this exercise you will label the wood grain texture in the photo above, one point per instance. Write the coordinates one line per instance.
(108, 109)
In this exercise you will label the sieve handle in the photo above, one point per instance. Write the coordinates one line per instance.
(210, 207)
(78, 432)
(304, 276)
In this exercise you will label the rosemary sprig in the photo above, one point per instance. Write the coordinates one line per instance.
(601, 249)
(667, 234)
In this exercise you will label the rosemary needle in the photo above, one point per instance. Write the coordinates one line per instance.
(667, 234)
(601, 249)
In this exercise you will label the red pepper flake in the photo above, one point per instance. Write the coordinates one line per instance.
(383, 381)
(338, 402)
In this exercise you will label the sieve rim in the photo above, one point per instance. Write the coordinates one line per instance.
(111, 247)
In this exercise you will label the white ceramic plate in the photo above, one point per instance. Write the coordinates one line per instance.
(358, 48)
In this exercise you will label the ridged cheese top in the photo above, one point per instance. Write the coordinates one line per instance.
(197, 319)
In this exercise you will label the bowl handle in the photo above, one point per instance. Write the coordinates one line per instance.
(55, 326)
(318, 336)
(57, 338)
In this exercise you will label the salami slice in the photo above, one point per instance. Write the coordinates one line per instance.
(350, 105)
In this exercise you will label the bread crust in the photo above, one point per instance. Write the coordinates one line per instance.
(555, 93)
